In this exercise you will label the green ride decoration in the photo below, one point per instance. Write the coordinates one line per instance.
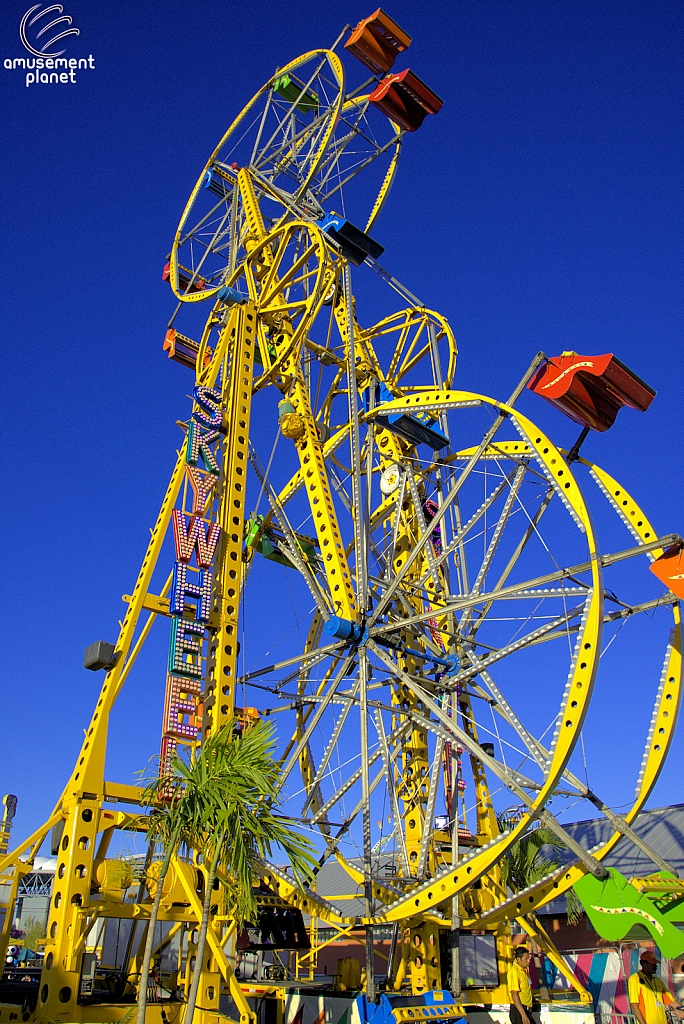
(268, 541)
(667, 893)
(614, 907)
(292, 90)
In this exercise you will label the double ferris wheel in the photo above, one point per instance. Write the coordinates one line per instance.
(439, 646)
(412, 580)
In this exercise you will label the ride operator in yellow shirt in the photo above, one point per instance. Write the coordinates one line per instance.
(648, 996)
(523, 1008)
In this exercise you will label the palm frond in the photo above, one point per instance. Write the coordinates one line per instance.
(223, 802)
(525, 863)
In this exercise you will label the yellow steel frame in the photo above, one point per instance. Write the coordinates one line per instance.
(286, 366)
(277, 328)
(551, 459)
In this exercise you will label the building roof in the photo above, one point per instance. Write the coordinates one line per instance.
(333, 883)
(662, 828)
(45, 864)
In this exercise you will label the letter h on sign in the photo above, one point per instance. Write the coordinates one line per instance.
(199, 594)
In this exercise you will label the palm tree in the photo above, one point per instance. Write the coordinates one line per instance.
(221, 803)
(175, 819)
(241, 829)
(528, 861)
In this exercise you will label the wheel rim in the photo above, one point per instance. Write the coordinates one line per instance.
(209, 240)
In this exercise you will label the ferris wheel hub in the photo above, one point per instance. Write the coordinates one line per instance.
(344, 629)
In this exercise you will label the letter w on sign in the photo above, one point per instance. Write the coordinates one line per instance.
(196, 536)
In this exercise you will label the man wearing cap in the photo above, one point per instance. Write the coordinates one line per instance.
(523, 1009)
(648, 996)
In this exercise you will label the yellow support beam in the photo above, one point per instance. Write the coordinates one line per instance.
(219, 702)
(318, 491)
(534, 928)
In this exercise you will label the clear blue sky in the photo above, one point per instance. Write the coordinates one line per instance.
(540, 210)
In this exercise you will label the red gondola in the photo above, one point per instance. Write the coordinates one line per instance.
(405, 99)
(591, 390)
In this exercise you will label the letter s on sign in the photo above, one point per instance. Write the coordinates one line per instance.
(209, 400)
